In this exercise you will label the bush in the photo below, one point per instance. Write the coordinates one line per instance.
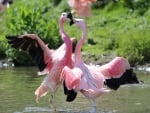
(141, 6)
(3, 42)
(3, 47)
(135, 46)
(30, 19)
(55, 2)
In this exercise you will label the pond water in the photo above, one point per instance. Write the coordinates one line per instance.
(17, 86)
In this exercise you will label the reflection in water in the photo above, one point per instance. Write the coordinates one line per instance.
(17, 86)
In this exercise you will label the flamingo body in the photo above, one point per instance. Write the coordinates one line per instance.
(80, 77)
(90, 79)
(49, 61)
(60, 59)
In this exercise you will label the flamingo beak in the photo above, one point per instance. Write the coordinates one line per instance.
(7, 5)
(69, 15)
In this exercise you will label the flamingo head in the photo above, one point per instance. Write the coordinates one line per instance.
(66, 15)
(69, 15)
(80, 23)
(63, 17)
(7, 2)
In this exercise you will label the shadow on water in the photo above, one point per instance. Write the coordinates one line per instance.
(17, 86)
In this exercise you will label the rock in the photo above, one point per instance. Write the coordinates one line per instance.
(6, 63)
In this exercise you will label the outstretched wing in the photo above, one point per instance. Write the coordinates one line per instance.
(34, 46)
(115, 68)
(128, 77)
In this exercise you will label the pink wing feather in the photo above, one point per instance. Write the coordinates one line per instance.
(115, 68)
(72, 77)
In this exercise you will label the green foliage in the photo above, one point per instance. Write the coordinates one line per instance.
(3, 42)
(122, 27)
(117, 28)
(19, 58)
(141, 6)
(135, 46)
(30, 19)
(3, 47)
(55, 2)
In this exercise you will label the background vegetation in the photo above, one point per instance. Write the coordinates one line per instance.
(120, 28)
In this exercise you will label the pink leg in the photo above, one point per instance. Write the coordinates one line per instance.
(52, 101)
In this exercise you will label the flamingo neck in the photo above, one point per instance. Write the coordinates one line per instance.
(67, 42)
(78, 54)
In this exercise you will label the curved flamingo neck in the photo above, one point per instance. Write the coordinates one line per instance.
(78, 54)
(67, 42)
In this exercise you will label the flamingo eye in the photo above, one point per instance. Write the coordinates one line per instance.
(64, 14)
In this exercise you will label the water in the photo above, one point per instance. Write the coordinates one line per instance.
(17, 86)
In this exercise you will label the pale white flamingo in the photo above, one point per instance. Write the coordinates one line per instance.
(49, 61)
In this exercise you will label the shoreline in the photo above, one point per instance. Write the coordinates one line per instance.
(5, 63)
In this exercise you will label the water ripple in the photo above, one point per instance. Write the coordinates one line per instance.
(48, 110)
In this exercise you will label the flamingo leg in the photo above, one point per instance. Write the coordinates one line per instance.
(52, 101)
(93, 103)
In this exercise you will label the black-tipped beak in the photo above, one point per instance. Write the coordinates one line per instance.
(69, 15)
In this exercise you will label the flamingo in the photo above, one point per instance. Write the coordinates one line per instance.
(49, 61)
(89, 80)
(81, 7)
(80, 78)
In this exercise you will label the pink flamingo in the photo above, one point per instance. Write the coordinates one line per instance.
(50, 62)
(89, 80)
(81, 7)
(80, 78)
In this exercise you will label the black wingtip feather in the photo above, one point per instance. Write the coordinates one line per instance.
(128, 77)
(71, 94)
(29, 45)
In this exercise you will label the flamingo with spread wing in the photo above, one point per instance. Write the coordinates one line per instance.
(49, 61)
(80, 78)
(90, 79)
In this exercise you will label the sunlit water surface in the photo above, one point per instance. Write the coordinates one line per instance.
(17, 86)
